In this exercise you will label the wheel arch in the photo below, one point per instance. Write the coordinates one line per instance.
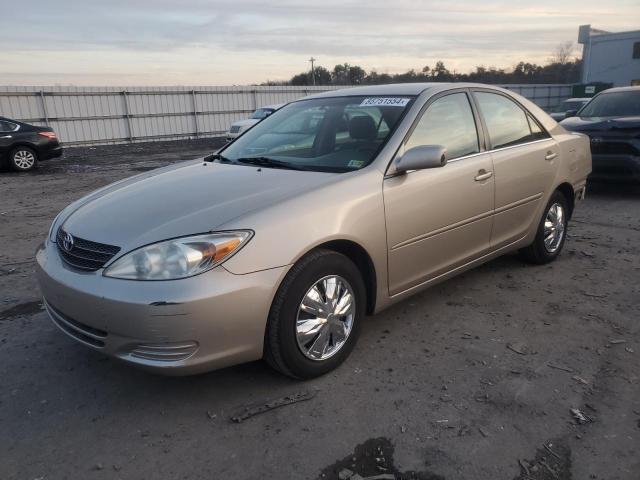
(23, 143)
(567, 190)
(358, 255)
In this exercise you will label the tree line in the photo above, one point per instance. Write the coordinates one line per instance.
(561, 68)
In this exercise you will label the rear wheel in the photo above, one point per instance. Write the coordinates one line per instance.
(552, 232)
(23, 159)
(316, 315)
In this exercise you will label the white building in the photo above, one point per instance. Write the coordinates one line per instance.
(610, 57)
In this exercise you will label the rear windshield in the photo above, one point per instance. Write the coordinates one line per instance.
(261, 113)
(336, 134)
(614, 104)
(569, 105)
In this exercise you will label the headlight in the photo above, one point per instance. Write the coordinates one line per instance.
(178, 258)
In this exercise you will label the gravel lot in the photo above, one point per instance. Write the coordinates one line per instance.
(472, 379)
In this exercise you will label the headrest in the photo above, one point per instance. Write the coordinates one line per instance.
(363, 127)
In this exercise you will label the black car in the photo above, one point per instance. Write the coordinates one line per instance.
(612, 122)
(22, 145)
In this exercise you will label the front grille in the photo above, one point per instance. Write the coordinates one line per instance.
(81, 332)
(234, 129)
(85, 254)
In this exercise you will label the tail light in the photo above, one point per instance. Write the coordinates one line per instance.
(49, 135)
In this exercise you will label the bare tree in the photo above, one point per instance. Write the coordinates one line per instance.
(563, 53)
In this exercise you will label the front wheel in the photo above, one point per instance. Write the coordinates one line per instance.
(23, 159)
(551, 234)
(316, 315)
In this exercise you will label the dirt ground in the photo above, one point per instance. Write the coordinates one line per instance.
(472, 379)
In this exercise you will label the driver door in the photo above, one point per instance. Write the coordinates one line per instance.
(440, 218)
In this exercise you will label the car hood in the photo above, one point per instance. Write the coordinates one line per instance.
(195, 198)
(578, 124)
(245, 123)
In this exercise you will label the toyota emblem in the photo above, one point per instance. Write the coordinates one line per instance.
(67, 242)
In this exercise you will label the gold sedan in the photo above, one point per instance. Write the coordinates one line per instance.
(333, 208)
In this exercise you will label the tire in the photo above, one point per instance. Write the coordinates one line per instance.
(541, 252)
(23, 159)
(299, 354)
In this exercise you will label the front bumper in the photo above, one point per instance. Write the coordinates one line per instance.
(176, 327)
(615, 167)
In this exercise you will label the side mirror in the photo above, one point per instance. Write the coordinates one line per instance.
(570, 113)
(420, 158)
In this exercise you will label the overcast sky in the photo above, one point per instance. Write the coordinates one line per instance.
(226, 42)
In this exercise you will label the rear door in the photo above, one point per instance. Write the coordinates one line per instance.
(7, 137)
(524, 162)
(439, 218)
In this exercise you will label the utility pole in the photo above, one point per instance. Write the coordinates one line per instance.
(313, 73)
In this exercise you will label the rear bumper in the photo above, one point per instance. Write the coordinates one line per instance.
(619, 168)
(51, 152)
(176, 327)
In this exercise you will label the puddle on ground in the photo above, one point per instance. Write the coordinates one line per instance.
(373, 458)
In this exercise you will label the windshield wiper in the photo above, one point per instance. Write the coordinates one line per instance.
(216, 156)
(270, 163)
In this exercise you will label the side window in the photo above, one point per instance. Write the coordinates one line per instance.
(7, 126)
(448, 122)
(506, 122)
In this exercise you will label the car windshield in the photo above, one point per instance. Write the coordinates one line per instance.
(569, 105)
(614, 104)
(336, 134)
(261, 113)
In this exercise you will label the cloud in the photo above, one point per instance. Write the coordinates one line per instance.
(252, 40)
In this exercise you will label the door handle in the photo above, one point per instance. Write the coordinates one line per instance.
(483, 175)
(6, 136)
(550, 156)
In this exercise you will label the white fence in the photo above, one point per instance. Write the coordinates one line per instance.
(95, 115)
(546, 96)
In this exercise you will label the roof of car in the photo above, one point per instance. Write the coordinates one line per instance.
(399, 89)
(621, 89)
(390, 89)
(5, 119)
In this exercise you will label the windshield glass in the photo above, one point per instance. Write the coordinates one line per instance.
(569, 105)
(614, 104)
(337, 134)
(261, 113)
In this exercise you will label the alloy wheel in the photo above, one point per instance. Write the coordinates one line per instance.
(24, 159)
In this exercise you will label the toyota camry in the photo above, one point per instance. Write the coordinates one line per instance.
(329, 210)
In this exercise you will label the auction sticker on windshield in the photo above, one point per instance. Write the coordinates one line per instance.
(385, 102)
